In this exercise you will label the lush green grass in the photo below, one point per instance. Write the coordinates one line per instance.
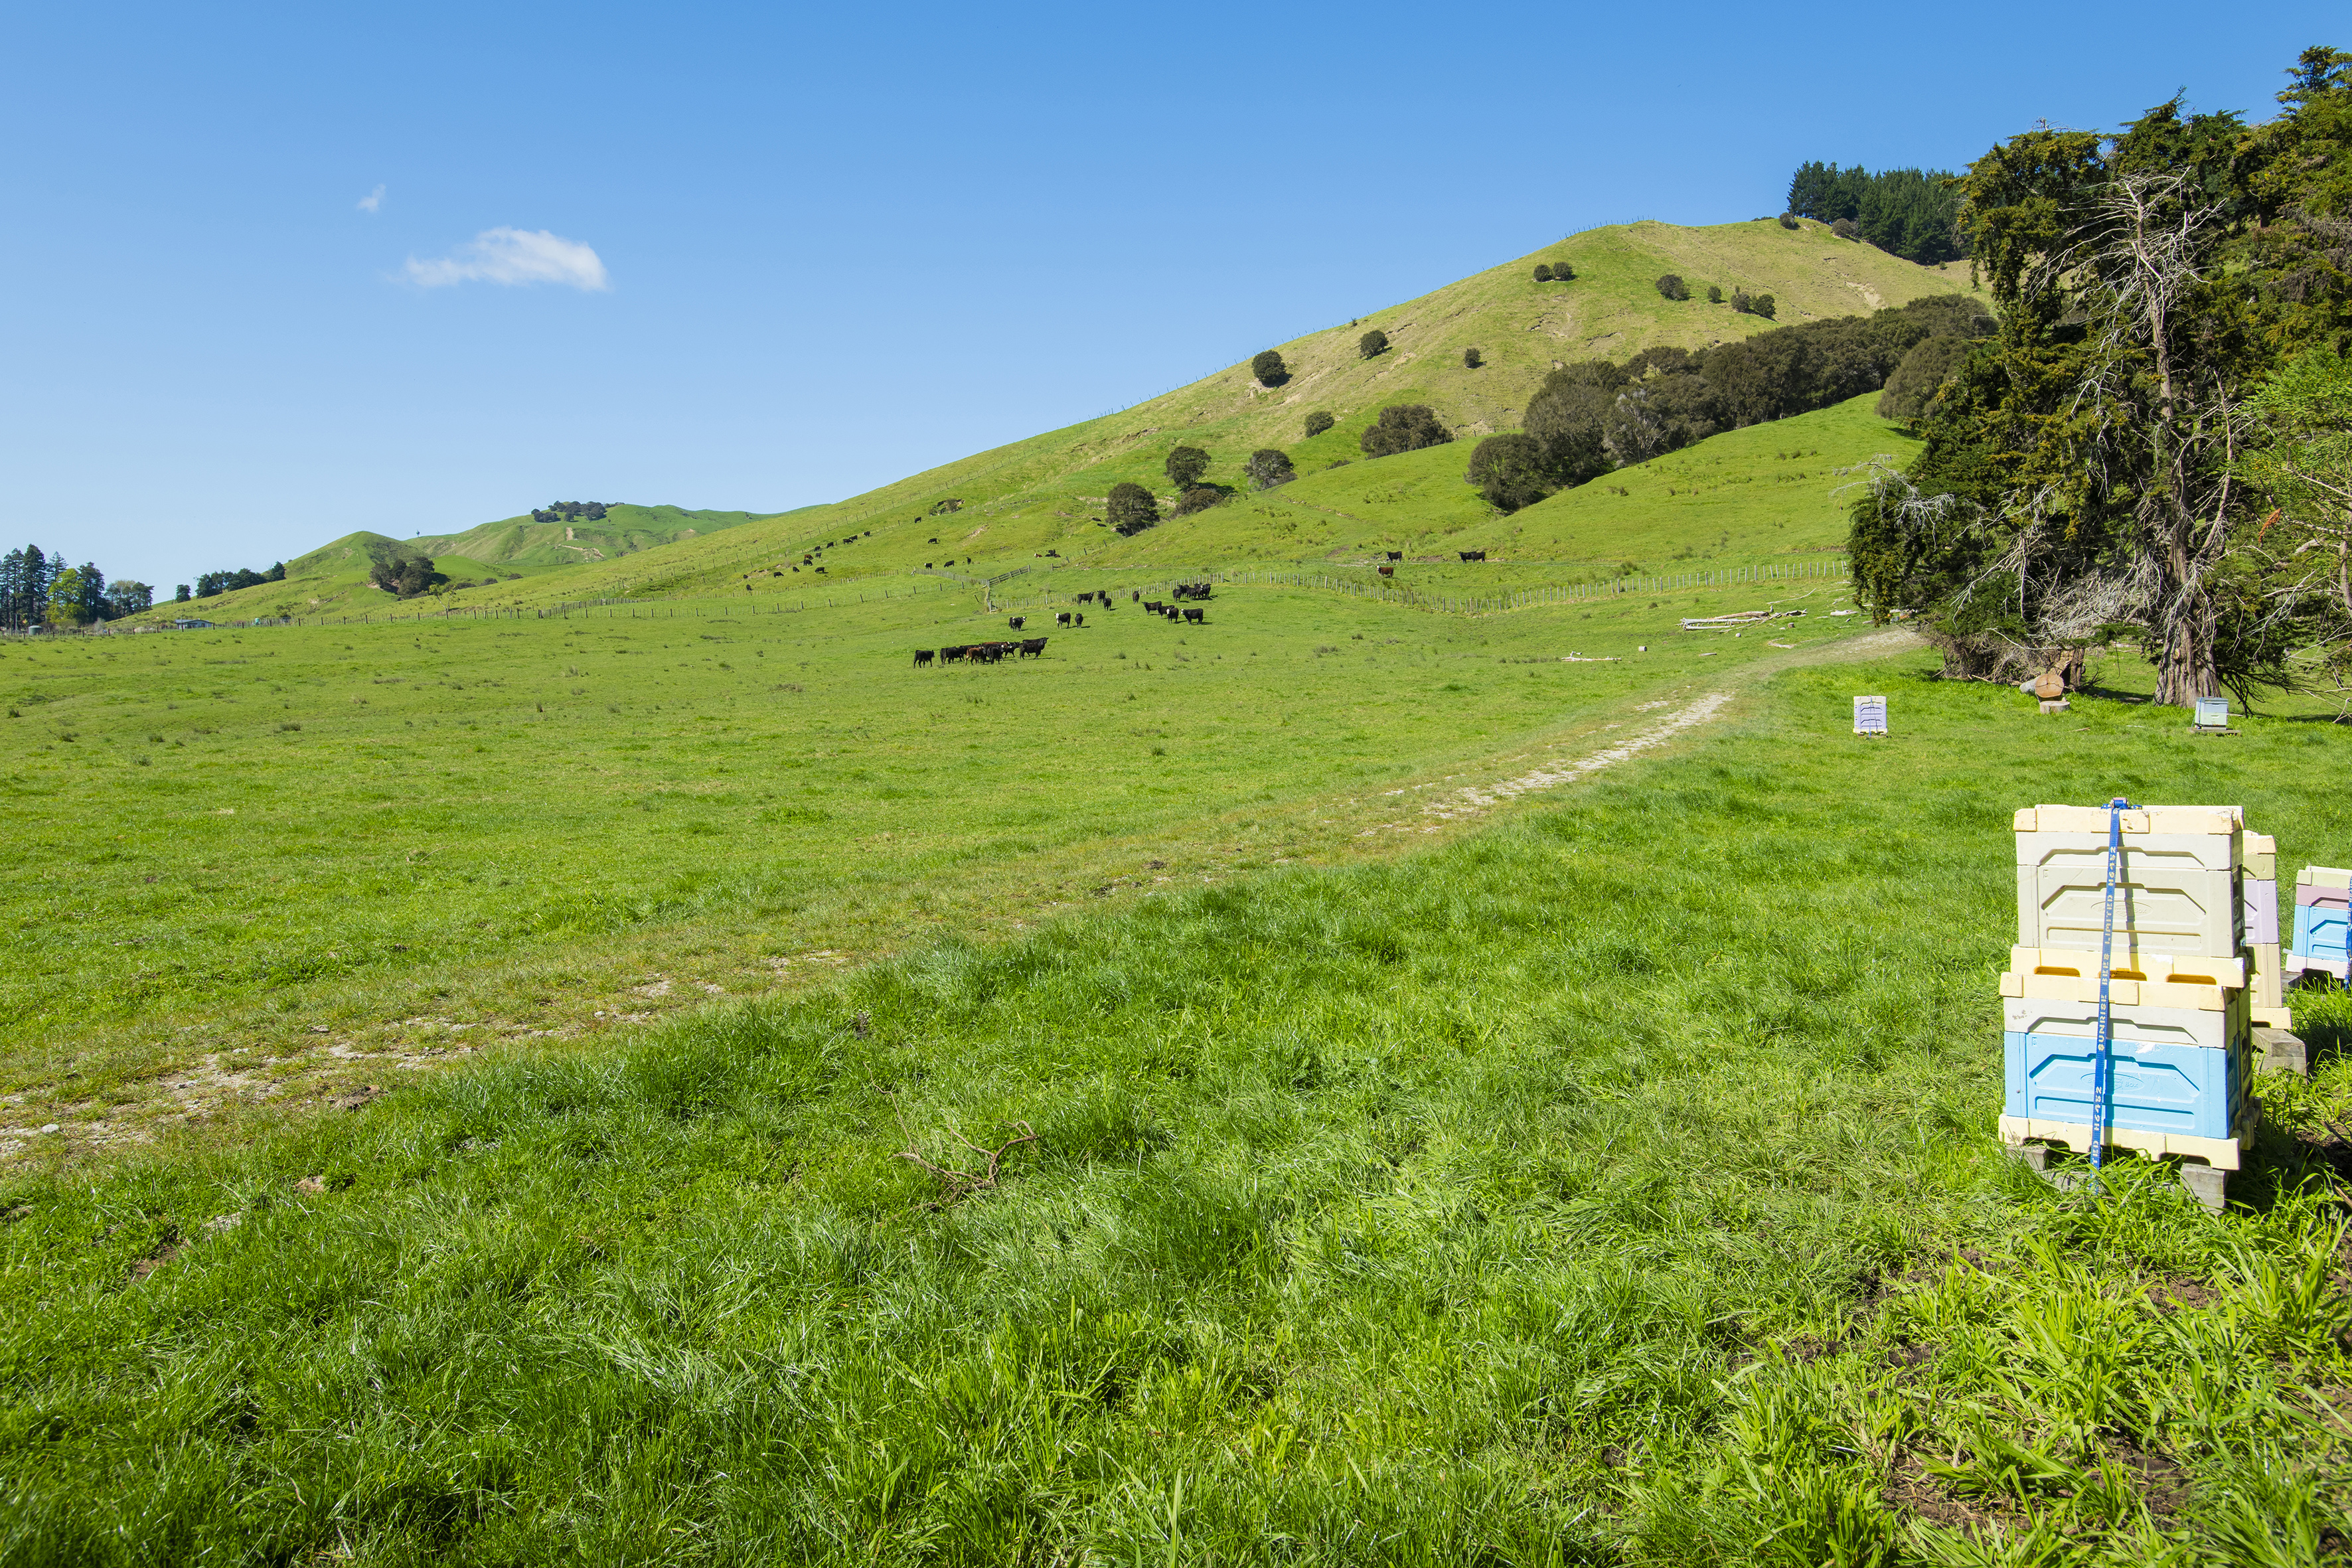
(232, 839)
(1615, 1184)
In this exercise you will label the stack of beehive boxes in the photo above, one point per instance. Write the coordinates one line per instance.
(2180, 1051)
(2259, 882)
(2321, 895)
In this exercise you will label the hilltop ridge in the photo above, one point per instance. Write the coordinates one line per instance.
(1010, 504)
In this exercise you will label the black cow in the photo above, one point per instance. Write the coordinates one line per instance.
(1033, 647)
(923, 655)
(1015, 622)
(1134, 596)
(1396, 554)
(1077, 619)
(1170, 611)
(1063, 619)
(1473, 555)
(952, 654)
(1195, 615)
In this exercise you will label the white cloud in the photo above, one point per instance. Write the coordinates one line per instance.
(514, 256)
(372, 200)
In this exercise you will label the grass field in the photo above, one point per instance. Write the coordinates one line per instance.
(1613, 1181)
(240, 838)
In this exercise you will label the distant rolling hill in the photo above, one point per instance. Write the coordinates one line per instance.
(1045, 492)
(1008, 506)
(333, 578)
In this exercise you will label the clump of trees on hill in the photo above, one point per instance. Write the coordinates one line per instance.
(1131, 509)
(397, 569)
(1268, 467)
(39, 589)
(1909, 213)
(1404, 427)
(1372, 344)
(1185, 466)
(1318, 422)
(1472, 359)
(1269, 369)
(1673, 287)
(569, 511)
(211, 585)
(1554, 272)
(1591, 416)
(2153, 446)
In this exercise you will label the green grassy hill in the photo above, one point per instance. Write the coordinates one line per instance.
(520, 544)
(333, 578)
(1045, 492)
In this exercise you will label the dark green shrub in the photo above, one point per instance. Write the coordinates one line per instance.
(1471, 360)
(1543, 273)
(1318, 422)
(1920, 376)
(1185, 467)
(1846, 228)
(1509, 471)
(1740, 301)
(1131, 509)
(1789, 220)
(1372, 344)
(1404, 427)
(1672, 288)
(1268, 467)
(1269, 369)
(1198, 497)
(1763, 305)
(1561, 272)
(1715, 294)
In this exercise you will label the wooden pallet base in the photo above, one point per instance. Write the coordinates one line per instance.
(2220, 1153)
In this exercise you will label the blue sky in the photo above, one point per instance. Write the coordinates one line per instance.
(274, 273)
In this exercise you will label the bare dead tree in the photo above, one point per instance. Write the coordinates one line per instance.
(2156, 439)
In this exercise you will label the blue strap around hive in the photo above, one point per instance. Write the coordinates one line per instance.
(2103, 1041)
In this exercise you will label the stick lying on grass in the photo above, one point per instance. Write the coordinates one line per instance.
(957, 1184)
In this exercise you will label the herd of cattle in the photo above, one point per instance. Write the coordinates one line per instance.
(1034, 647)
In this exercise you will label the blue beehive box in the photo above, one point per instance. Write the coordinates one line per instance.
(2187, 1090)
(2320, 930)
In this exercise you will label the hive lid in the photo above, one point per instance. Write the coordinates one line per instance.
(2185, 819)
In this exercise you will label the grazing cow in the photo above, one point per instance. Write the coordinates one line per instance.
(1015, 622)
(1063, 619)
(952, 656)
(1153, 605)
(1473, 555)
(1396, 554)
(1135, 594)
(1170, 611)
(1196, 616)
(1388, 570)
(1077, 618)
(1033, 647)
(923, 655)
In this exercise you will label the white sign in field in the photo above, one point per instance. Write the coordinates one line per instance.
(1869, 715)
